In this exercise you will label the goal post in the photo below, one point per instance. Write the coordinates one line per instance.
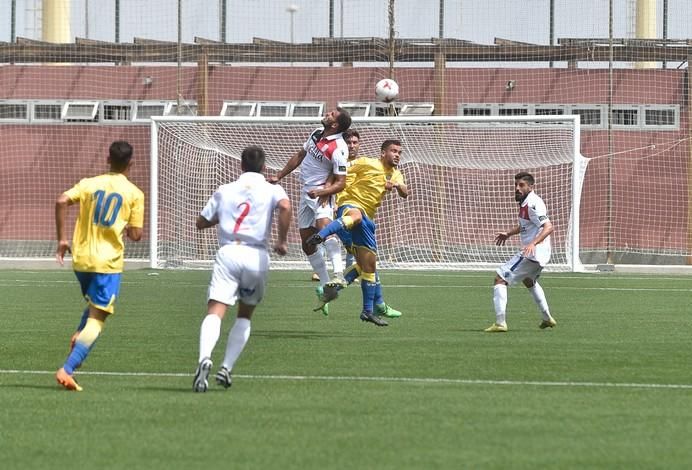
(460, 171)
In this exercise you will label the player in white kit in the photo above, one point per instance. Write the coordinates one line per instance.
(526, 266)
(322, 162)
(243, 211)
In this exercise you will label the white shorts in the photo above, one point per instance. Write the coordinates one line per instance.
(519, 268)
(310, 211)
(240, 272)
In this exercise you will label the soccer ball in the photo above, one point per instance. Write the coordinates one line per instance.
(386, 90)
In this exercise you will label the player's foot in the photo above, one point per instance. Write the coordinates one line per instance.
(547, 324)
(201, 381)
(315, 277)
(67, 381)
(223, 378)
(387, 311)
(314, 240)
(496, 328)
(322, 305)
(330, 291)
(372, 318)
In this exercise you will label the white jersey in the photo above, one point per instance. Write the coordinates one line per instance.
(532, 215)
(324, 156)
(244, 209)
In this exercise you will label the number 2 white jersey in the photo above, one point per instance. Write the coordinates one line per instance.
(532, 215)
(244, 209)
(324, 156)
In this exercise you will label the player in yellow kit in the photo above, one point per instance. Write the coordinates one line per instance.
(109, 205)
(357, 204)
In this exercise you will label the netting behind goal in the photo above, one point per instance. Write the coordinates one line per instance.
(460, 172)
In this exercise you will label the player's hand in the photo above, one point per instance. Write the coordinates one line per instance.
(273, 179)
(529, 250)
(281, 248)
(501, 238)
(388, 185)
(312, 194)
(63, 248)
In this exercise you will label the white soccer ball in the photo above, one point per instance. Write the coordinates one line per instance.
(387, 90)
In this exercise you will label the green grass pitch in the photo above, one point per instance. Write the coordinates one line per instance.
(609, 387)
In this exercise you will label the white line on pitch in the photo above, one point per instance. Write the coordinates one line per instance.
(329, 378)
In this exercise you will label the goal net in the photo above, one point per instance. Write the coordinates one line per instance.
(460, 171)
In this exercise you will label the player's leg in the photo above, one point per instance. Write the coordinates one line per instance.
(80, 326)
(223, 291)
(347, 218)
(366, 256)
(323, 217)
(253, 281)
(101, 291)
(538, 296)
(507, 274)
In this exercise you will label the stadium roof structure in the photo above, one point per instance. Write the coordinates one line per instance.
(345, 50)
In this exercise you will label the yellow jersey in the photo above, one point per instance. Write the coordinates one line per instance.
(107, 204)
(365, 182)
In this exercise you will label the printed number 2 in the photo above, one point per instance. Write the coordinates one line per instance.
(106, 205)
(241, 217)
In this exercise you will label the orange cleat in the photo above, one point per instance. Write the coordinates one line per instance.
(67, 381)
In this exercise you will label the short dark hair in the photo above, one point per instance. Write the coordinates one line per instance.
(120, 154)
(351, 133)
(528, 177)
(389, 142)
(343, 119)
(252, 159)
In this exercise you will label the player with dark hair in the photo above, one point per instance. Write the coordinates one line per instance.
(322, 162)
(109, 205)
(243, 210)
(372, 179)
(534, 228)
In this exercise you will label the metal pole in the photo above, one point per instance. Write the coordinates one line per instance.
(391, 39)
(341, 19)
(13, 27)
(180, 58)
(609, 196)
(551, 37)
(223, 7)
(86, 19)
(665, 26)
(117, 21)
(441, 21)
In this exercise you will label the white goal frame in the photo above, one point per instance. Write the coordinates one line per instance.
(579, 163)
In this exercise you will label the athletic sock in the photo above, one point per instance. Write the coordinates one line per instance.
(368, 286)
(319, 266)
(83, 345)
(208, 335)
(379, 298)
(333, 249)
(539, 297)
(500, 302)
(334, 226)
(237, 339)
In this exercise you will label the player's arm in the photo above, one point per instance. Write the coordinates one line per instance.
(401, 189)
(61, 205)
(501, 237)
(134, 230)
(334, 185)
(546, 229)
(203, 223)
(291, 165)
(283, 223)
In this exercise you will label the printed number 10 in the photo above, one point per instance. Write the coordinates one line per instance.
(105, 205)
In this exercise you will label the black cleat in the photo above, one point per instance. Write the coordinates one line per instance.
(223, 378)
(314, 240)
(372, 318)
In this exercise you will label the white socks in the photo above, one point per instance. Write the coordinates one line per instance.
(319, 266)
(208, 335)
(333, 248)
(539, 297)
(500, 302)
(237, 339)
